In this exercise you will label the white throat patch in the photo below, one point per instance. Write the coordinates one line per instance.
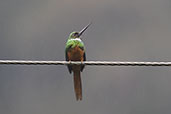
(78, 39)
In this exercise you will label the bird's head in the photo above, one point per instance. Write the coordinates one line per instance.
(74, 35)
(78, 34)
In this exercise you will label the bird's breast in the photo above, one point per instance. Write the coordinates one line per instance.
(75, 54)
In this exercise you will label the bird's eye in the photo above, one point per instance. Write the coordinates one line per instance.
(76, 34)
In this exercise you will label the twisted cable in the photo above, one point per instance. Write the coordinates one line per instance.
(92, 63)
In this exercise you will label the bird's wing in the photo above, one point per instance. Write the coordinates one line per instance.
(67, 59)
(84, 59)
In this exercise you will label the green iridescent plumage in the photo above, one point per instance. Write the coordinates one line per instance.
(73, 41)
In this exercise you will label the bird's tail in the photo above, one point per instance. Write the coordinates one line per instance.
(77, 84)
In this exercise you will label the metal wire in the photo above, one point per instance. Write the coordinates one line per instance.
(95, 63)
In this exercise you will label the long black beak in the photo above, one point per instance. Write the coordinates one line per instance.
(81, 32)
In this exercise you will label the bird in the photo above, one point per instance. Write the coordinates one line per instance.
(75, 51)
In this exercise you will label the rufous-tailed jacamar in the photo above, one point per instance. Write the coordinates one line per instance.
(75, 51)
